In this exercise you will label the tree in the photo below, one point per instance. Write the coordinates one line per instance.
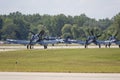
(91, 23)
(1, 23)
(70, 20)
(74, 31)
(65, 35)
(23, 28)
(66, 30)
(77, 32)
(104, 23)
(49, 22)
(80, 20)
(1, 26)
(9, 31)
(60, 22)
(116, 25)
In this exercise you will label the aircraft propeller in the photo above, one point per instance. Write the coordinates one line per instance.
(92, 36)
(36, 37)
(111, 39)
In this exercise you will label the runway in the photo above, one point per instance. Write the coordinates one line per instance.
(58, 76)
(13, 48)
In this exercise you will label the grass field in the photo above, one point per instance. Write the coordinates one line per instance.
(61, 60)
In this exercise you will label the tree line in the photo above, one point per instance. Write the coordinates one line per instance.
(17, 26)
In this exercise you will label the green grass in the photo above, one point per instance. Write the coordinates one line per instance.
(61, 60)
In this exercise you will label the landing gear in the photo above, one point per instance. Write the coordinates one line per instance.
(99, 46)
(52, 44)
(29, 46)
(106, 45)
(45, 46)
(85, 46)
(109, 45)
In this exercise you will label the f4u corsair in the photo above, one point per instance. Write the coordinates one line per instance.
(90, 39)
(112, 40)
(35, 39)
(93, 38)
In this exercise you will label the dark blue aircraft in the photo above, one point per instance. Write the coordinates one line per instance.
(93, 38)
(90, 39)
(112, 40)
(35, 39)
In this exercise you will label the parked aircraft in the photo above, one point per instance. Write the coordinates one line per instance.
(93, 38)
(38, 39)
(35, 39)
(112, 39)
(90, 39)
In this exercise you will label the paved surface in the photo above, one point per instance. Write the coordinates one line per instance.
(12, 48)
(58, 76)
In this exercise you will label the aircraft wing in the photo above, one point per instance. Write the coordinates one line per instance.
(25, 42)
(13, 41)
(46, 42)
(117, 42)
(107, 42)
(69, 41)
(102, 42)
(75, 41)
(84, 42)
(80, 42)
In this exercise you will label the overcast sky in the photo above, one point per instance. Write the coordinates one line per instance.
(98, 9)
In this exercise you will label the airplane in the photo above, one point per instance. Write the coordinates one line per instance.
(112, 39)
(91, 39)
(35, 39)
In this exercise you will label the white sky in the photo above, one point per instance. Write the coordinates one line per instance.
(98, 9)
